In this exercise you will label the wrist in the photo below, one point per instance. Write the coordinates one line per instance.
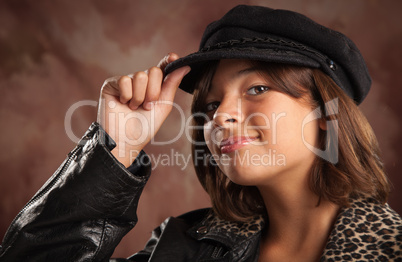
(126, 153)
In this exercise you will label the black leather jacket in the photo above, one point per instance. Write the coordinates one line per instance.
(90, 203)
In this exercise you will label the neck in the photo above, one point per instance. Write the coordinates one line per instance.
(297, 223)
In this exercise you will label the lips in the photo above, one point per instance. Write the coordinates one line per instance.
(234, 143)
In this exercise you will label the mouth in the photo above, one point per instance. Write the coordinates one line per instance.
(234, 143)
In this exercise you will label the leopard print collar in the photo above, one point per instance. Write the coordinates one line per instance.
(364, 231)
(243, 229)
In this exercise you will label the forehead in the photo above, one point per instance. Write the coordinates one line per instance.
(229, 70)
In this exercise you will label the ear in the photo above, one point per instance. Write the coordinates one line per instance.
(322, 123)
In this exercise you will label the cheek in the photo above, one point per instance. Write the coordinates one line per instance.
(208, 135)
(288, 130)
(295, 135)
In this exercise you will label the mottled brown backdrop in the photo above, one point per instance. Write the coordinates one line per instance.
(54, 53)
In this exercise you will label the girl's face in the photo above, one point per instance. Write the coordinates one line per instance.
(255, 133)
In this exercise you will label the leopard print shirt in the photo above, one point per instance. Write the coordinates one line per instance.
(365, 231)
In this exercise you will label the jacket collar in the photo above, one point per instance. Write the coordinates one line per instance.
(228, 233)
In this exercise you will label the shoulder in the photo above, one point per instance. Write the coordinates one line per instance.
(381, 219)
(366, 230)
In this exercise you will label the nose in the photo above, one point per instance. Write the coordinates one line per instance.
(229, 112)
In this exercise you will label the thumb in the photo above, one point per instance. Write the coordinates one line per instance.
(167, 59)
(172, 82)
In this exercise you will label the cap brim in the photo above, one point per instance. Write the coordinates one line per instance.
(198, 59)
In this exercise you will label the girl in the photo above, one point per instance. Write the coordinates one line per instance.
(268, 84)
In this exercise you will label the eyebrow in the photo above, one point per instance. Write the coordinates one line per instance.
(242, 72)
(248, 70)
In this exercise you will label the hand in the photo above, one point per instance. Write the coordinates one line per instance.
(132, 108)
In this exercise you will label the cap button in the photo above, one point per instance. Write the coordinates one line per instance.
(332, 65)
(202, 230)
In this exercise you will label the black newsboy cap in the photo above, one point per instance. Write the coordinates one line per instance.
(280, 36)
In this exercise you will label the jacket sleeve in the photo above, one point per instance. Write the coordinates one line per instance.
(83, 210)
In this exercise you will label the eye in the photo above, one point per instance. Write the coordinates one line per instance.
(211, 106)
(257, 90)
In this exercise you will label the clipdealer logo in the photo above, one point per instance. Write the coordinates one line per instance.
(330, 153)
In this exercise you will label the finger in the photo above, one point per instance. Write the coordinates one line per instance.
(172, 82)
(155, 77)
(139, 87)
(167, 59)
(125, 88)
(111, 87)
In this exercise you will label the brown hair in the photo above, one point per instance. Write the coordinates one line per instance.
(358, 172)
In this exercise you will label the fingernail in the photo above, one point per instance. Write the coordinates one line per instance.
(148, 105)
(187, 70)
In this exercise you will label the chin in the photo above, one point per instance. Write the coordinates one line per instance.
(243, 178)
